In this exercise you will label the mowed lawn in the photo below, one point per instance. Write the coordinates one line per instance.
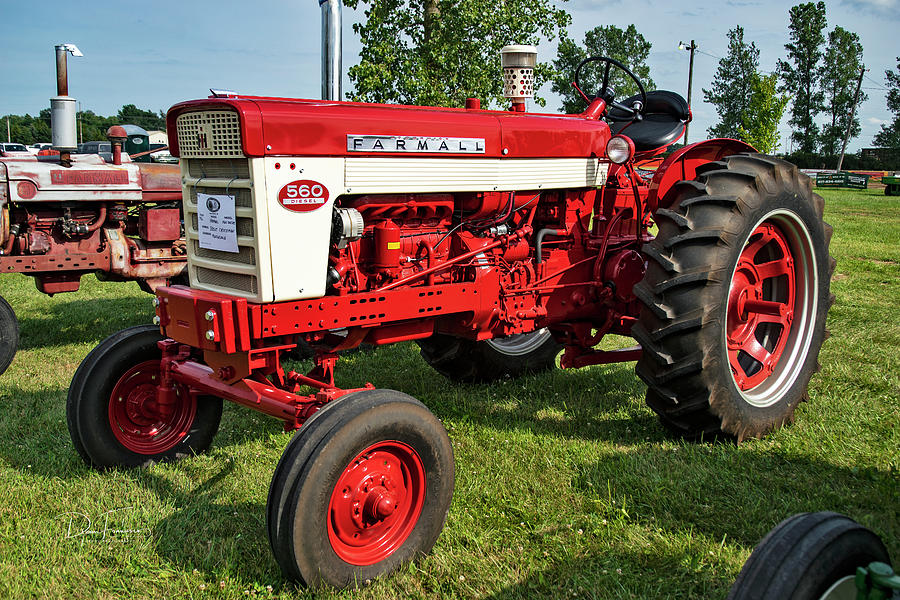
(567, 486)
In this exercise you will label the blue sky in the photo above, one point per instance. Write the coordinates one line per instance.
(154, 54)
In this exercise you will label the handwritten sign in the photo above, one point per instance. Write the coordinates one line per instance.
(216, 222)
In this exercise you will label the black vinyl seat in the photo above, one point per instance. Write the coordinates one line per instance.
(665, 115)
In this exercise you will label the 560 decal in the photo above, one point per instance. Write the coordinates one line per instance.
(303, 195)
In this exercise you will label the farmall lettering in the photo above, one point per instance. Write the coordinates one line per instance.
(494, 240)
(414, 144)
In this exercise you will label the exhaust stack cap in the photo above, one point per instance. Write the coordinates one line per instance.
(518, 64)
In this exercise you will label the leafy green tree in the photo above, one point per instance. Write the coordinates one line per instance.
(149, 120)
(626, 46)
(764, 111)
(802, 77)
(440, 52)
(838, 74)
(889, 136)
(731, 89)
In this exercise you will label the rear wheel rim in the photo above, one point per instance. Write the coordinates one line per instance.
(771, 308)
(842, 589)
(376, 503)
(138, 421)
(520, 344)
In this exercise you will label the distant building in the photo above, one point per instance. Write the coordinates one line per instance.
(158, 137)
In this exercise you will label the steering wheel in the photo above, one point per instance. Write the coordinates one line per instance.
(631, 112)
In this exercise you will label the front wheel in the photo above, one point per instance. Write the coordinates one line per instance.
(472, 361)
(112, 413)
(363, 488)
(735, 298)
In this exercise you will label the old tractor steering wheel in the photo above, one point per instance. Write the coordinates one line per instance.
(630, 113)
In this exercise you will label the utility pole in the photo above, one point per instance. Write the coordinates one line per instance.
(862, 71)
(80, 123)
(8, 138)
(691, 48)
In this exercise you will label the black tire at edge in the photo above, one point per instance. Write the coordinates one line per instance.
(9, 335)
(801, 557)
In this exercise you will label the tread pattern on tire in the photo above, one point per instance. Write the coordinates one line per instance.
(803, 555)
(701, 229)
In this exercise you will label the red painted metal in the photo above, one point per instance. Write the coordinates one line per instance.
(283, 126)
(760, 306)
(143, 421)
(376, 503)
(160, 224)
(683, 163)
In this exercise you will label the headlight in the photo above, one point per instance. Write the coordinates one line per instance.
(619, 149)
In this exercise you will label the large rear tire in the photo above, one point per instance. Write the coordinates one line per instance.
(471, 361)
(363, 488)
(111, 407)
(9, 335)
(735, 298)
(809, 556)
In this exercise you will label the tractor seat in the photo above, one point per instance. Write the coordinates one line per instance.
(665, 115)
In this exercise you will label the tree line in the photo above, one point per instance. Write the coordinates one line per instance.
(440, 52)
(26, 129)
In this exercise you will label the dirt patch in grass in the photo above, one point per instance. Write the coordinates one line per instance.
(874, 261)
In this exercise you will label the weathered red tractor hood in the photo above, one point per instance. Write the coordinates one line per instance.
(321, 128)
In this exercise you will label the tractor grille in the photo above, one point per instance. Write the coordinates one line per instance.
(236, 273)
(209, 133)
(220, 279)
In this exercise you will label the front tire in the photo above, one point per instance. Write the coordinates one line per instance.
(471, 361)
(111, 407)
(809, 556)
(735, 298)
(362, 489)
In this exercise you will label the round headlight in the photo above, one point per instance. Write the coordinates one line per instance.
(619, 149)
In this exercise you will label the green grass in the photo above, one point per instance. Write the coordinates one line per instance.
(567, 486)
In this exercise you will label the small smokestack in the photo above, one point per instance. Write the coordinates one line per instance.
(331, 49)
(62, 107)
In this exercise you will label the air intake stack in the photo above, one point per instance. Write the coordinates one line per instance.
(518, 64)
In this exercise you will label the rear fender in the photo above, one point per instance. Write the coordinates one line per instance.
(683, 163)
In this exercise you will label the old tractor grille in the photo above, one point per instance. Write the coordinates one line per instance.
(209, 134)
(213, 163)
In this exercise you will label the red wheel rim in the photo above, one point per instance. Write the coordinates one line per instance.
(761, 306)
(376, 503)
(138, 421)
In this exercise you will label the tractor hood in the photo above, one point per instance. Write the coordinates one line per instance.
(289, 127)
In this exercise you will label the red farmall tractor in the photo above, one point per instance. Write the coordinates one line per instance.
(64, 215)
(494, 239)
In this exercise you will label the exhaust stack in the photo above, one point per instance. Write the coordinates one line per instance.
(62, 107)
(331, 49)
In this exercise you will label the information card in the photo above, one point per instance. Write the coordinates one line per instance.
(216, 222)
